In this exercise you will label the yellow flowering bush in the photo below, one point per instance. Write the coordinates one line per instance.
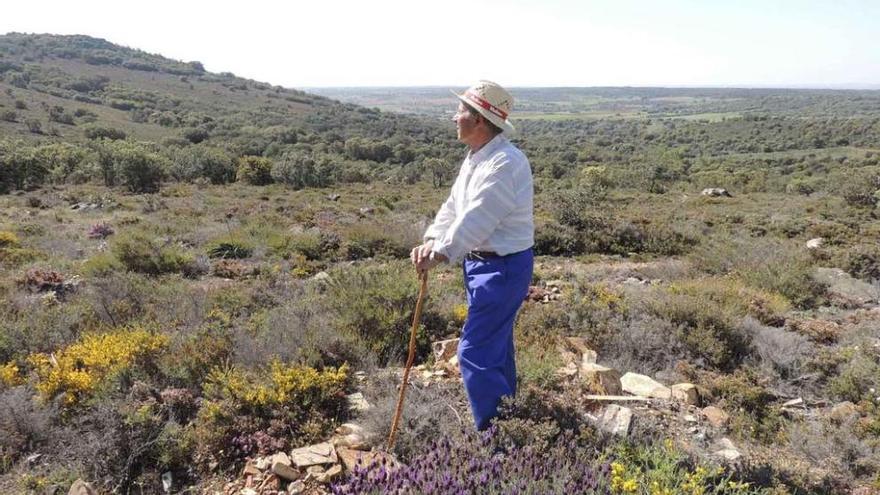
(281, 385)
(664, 470)
(459, 313)
(10, 375)
(8, 240)
(79, 369)
(262, 411)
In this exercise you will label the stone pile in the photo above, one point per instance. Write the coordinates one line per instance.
(309, 470)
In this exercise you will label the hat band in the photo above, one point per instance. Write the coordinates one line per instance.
(485, 104)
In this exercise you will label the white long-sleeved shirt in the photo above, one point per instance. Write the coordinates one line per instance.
(490, 205)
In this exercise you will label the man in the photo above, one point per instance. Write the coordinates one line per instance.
(487, 221)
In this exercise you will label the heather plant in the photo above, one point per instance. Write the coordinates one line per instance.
(100, 231)
(471, 465)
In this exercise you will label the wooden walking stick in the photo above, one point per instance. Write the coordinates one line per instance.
(423, 278)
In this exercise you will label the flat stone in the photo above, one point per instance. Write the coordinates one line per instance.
(799, 402)
(615, 419)
(329, 475)
(690, 418)
(281, 465)
(617, 398)
(322, 453)
(686, 393)
(601, 379)
(644, 386)
(815, 243)
(253, 467)
(715, 416)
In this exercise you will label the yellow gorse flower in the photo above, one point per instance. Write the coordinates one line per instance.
(77, 370)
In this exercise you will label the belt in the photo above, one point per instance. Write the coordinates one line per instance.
(481, 255)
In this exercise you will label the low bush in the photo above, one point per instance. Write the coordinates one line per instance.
(763, 263)
(140, 253)
(706, 329)
(259, 412)
(229, 247)
(254, 170)
(374, 304)
(79, 370)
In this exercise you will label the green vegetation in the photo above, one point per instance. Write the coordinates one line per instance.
(195, 264)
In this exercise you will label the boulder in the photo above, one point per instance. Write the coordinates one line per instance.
(726, 450)
(815, 243)
(686, 393)
(644, 386)
(715, 192)
(80, 487)
(716, 416)
(615, 419)
(281, 465)
(601, 379)
(313, 455)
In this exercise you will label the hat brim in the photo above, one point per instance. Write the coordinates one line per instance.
(504, 125)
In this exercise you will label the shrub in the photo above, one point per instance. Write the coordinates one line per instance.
(297, 171)
(259, 412)
(138, 166)
(100, 132)
(706, 329)
(24, 424)
(78, 371)
(100, 231)
(862, 261)
(230, 247)
(41, 280)
(254, 170)
(375, 304)
(140, 253)
(192, 162)
(764, 263)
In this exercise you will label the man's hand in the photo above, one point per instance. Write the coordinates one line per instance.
(423, 259)
(421, 252)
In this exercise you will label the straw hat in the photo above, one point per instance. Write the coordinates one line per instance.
(492, 101)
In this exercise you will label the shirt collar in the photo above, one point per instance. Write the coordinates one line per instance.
(488, 149)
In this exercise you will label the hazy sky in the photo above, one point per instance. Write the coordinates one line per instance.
(824, 43)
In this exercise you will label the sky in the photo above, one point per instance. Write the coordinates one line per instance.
(737, 43)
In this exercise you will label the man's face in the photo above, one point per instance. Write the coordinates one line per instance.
(465, 123)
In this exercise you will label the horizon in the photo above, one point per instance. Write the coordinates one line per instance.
(554, 44)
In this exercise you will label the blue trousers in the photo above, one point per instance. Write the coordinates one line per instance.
(496, 288)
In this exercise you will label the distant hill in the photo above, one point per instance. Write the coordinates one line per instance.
(65, 83)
